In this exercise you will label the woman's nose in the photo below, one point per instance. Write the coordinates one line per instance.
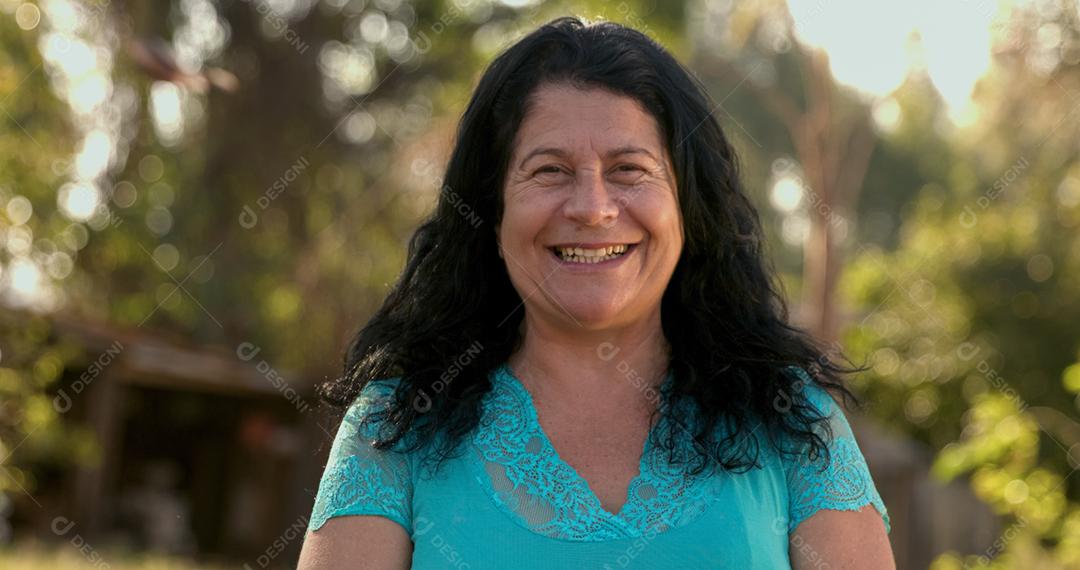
(591, 202)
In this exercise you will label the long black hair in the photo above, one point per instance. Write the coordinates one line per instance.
(453, 316)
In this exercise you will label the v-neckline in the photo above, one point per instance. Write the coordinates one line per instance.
(504, 372)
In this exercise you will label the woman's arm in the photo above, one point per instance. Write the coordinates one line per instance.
(836, 518)
(362, 514)
(840, 540)
(362, 542)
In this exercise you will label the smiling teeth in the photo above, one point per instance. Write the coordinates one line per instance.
(579, 255)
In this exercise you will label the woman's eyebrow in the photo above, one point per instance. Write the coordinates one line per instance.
(630, 150)
(553, 151)
(558, 152)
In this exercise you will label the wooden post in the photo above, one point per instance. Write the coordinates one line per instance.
(93, 508)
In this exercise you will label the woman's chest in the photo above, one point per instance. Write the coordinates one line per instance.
(737, 522)
(557, 493)
(607, 458)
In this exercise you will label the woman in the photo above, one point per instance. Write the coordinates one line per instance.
(586, 363)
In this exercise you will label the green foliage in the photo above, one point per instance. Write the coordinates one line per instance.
(35, 149)
(970, 323)
(32, 435)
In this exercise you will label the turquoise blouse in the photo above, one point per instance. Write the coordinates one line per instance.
(509, 501)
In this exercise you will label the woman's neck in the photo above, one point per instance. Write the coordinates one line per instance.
(593, 369)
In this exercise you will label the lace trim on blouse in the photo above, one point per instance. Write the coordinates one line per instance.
(527, 480)
(845, 483)
(362, 480)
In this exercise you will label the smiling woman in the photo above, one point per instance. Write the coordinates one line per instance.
(633, 394)
(589, 171)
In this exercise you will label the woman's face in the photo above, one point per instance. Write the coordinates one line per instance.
(589, 174)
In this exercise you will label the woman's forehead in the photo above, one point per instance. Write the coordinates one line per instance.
(566, 100)
(567, 119)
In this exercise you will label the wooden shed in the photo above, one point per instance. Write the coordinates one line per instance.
(206, 451)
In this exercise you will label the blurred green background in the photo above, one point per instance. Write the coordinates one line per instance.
(200, 200)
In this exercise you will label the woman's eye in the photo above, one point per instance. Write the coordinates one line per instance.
(626, 170)
(550, 169)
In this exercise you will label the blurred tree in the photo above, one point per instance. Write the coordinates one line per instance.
(35, 147)
(286, 205)
(971, 322)
(785, 93)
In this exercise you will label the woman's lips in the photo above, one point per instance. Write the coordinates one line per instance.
(586, 266)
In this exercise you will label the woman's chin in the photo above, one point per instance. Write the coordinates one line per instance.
(593, 315)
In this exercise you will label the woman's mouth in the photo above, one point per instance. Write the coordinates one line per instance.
(580, 255)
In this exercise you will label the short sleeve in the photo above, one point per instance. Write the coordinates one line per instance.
(844, 484)
(360, 479)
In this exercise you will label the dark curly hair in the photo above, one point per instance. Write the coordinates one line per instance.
(454, 313)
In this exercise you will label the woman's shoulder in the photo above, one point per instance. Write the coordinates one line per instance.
(367, 416)
(823, 405)
(360, 479)
(776, 436)
(838, 479)
(375, 411)
(376, 394)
